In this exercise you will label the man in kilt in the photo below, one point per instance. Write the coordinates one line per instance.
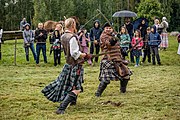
(69, 83)
(112, 66)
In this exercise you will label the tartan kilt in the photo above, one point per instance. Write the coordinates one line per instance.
(164, 40)
(70, 77)
(108, 71)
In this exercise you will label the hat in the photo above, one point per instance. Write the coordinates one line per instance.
(107, 24)
(164, 18)
(27, 24)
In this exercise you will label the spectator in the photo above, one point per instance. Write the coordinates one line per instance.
(84, 41)
(28, 36)
(142, 27)
(124, 41)
(146, 48)
(130, 29)
(164, 35)
(137, 44)
(22, 23)
(154, 42)
(56, 46)
(178, 38)
(95, 34)
(40, 37)
(1, 33)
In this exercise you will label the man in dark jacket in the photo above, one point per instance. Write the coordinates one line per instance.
(154, 42)
(142, 27)
(129, 27)
(41, 36)
(95, 34)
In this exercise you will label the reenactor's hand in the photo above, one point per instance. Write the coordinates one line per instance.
(83, 55)
(88, 56)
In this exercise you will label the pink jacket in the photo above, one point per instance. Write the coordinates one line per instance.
(84, 41)
(134, 41)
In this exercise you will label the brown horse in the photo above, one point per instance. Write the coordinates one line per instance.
(50, 25)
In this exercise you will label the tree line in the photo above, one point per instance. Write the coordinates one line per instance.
(12, 11)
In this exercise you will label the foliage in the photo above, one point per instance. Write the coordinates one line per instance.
(150, 9)
(12, 11)
(152, 93)
(175, 19)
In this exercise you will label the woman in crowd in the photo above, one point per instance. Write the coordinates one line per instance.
(164, 35)
(28, 36)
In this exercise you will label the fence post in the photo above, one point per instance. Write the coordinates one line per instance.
(15, 51)
(0, 51)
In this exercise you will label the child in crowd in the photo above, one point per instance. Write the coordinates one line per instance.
(137, 44)
(154, 42)
(84, 41)
(146, 48)
(124, 41)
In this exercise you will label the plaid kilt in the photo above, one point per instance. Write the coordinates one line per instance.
(70, 77)
(108, 71)
(164, 40)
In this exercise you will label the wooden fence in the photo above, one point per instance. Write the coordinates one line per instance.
(11, 35)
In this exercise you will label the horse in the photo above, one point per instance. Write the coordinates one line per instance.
(50, 25)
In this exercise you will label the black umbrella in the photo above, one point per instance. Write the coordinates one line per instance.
(138, 21)
(124, 13)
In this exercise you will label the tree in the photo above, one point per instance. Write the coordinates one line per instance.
(175, 13)
(150, 9)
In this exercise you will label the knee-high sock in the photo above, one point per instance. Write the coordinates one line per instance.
(137, 60)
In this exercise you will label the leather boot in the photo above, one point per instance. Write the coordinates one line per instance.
(68, 99)
(123, 85)
(73, 102)
(102, 86)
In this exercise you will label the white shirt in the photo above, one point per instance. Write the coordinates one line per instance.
(74, 48)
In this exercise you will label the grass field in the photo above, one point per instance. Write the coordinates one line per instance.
(153, 92)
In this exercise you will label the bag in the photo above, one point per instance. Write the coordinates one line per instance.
(122, 69)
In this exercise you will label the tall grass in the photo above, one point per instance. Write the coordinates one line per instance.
(153, 92)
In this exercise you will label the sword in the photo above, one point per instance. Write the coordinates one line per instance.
(89, 20)
(134, 46)
(89, 56)
(106, 20)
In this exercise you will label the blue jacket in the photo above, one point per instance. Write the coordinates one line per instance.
(154, 38)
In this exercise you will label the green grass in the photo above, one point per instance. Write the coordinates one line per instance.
(153, 92)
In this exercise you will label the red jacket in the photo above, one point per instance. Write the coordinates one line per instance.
(134, 41)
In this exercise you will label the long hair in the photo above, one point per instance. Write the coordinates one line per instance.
(126, 31)
(139, 32)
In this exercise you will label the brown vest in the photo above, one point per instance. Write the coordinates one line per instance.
(65, 38)
(106, 47)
